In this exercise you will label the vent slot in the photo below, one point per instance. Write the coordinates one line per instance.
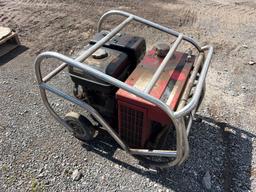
(131, 123)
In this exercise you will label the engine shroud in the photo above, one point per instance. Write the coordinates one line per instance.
(116, 58)
(133, 46)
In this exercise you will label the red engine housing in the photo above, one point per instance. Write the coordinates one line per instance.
(136, 116)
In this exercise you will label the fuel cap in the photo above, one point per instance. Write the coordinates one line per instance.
(161, 49)
(100, 54)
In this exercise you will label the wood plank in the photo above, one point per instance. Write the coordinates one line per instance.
(12, 35)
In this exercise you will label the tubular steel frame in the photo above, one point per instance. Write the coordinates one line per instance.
(177, 117)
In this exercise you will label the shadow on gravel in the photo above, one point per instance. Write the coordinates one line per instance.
(222, 150)
(12, 54)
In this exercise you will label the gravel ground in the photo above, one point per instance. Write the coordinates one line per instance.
(38, 155)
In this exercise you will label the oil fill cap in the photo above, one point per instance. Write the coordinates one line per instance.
(161, 49)
(100, 54)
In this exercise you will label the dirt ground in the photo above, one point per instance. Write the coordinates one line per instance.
(36, 154)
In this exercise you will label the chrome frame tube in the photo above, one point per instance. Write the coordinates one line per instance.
(195, 98)
(92, 49)
(189, 123)
(110, 80)
(162, 153)
(190, 81)
(160, 69)
(49, 76)
(177, 117)
(91, 110)
(146, 22)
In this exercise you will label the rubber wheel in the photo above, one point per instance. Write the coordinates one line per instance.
(166, 142)
(81, 126)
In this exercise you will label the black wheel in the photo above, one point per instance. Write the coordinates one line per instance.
(167, 141)
(154, 162)
(81, 126)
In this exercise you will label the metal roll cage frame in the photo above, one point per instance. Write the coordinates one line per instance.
(177, 117)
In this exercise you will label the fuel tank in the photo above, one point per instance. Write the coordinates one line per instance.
(136, 117)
